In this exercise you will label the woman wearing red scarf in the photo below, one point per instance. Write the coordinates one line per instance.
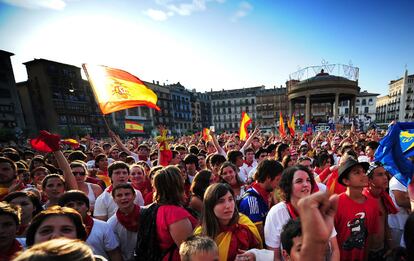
(221, 221)
(296, 183)
(126, 220)
(377, 185)
(139, 180)
(9, 224)
(100, 237)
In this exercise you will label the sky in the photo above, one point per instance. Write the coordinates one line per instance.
(214, 44)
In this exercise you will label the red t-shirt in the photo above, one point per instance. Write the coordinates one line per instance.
(332, 185)
(167, 215)
(353, 223)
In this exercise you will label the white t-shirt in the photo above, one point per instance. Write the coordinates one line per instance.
(397, 221)
(106, 206)
(277, 217)
(127, 239)
(102, 238)
(245, 170)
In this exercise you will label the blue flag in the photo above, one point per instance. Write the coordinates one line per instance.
(394, 150)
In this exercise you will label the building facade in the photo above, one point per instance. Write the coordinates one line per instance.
(11, 114)
(59, 100)
(399, 103)
(365, 107)
(228, 105)
(269, 103)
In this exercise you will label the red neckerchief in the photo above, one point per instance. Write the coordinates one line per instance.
(292, 211)
(144, 158)
(262, 192)
(14, 248)
(129, 221)
(109, 189)
(249, 165)
(88, 225)
(385, 198)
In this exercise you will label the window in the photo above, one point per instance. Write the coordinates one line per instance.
(364, 102)
(366, 109)
(356, 110)
(346, 110)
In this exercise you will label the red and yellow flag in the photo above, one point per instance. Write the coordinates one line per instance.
(245, 121)
(206, 134)
(281, 125)
(117, 90)
(292, 126)
(71, 142)
(133, 126)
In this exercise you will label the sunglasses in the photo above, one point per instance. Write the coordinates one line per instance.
(76, 173)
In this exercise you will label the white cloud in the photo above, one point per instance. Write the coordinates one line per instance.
(244, 9)
(180, 7)
(158, 15)
(36, 4)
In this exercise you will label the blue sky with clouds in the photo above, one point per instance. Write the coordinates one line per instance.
(214, 44)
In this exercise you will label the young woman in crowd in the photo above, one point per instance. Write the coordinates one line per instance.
(101, 163)
(93, 191)
(55, 222)
(174, 222)
(201, 181)
(221, 221)
(139, 179)
(297, 182)
(228, 174)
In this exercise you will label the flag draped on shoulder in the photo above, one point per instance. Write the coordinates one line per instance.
(133, 126)
(395, 148)
(117, 90)
(281, 125)
(245, 121)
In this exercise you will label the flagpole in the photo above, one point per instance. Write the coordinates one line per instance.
(95, 95)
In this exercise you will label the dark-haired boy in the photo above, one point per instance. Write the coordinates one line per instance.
(125, 222)
(356, 220)
(255, 203)
(105, 206)
(100, 238)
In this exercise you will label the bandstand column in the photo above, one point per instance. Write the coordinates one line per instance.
(335, 111)
(353, 106)
(290, 107)
(307, 109)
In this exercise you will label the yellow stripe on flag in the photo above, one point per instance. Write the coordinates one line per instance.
(116, 90)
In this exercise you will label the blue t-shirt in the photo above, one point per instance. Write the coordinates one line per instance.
(254, 206)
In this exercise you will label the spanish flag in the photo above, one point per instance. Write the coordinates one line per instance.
(281, 125)
(245, 121)
(206, 134)
(132, 126)
(292, 126)
(117, 90)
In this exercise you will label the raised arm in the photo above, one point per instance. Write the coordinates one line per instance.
(119, 142)
(219, 149)
(63, 164)
(250, 139)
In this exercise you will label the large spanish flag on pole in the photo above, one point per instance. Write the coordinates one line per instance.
(133, 126)
(117, 90)
(245, 121)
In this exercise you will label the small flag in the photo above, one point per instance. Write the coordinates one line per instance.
(245, 121)
(206, 134)
(165, 154)
(281, 125)
(74, 144)
(117, 90)
(292, 126)
(132, 126)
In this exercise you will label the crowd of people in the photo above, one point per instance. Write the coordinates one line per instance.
(313, 196)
